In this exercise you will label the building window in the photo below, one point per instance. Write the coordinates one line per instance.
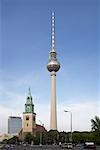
(27, 124)
(33, 118)
(27, 117)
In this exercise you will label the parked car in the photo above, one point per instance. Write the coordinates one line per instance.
(89, 145)
(67, 145)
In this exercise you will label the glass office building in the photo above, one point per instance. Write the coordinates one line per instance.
(14, 125)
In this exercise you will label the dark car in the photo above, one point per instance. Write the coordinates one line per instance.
(89, 145)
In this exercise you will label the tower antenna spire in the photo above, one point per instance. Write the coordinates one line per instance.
(29, 91)
(53, 32)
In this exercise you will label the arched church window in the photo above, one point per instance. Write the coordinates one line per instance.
(33, 118)
(27, 117)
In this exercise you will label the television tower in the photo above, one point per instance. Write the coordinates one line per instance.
(53, 66)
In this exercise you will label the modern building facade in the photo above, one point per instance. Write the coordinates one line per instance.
(14, 125)
(53, 66)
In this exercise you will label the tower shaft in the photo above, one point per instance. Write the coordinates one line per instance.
(53, 66)
(53, 115)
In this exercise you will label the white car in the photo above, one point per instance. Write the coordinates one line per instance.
(89, 145)
(67, 145)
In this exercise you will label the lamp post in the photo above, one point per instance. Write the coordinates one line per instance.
(70, 124)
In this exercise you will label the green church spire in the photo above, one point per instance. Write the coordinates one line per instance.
(29, 92)
(29, 106)
(29, 98)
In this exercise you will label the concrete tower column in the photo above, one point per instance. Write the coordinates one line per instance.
(53, 115)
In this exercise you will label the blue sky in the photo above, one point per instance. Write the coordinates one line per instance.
(25, 46)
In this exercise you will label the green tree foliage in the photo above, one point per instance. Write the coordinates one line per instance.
(82, 137)
(44, 137)
(28, 138)
(96, 124)
(36, 139)
(63, 137)
(77, 137)
(96, 129)
(13, 140)
(53, 136)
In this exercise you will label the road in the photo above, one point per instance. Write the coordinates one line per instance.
(20, 147)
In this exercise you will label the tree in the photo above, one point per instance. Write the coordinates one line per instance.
(13, 140)
(36, 139)
(96, 129)
(96, 124)
(53, 136)
(44, 137)
(77, 137)
(28, 138)
(63, 137)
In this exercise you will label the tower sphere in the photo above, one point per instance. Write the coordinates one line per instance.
(53, 64)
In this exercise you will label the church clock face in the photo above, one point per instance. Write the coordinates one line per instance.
(28, 108)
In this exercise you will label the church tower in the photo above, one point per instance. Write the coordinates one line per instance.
(29, 117)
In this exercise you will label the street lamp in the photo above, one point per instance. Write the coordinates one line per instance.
(41, 133)
(70, 124)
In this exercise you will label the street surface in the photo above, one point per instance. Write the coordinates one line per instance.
(44, 147)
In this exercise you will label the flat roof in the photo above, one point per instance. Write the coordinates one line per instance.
(15, 117)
